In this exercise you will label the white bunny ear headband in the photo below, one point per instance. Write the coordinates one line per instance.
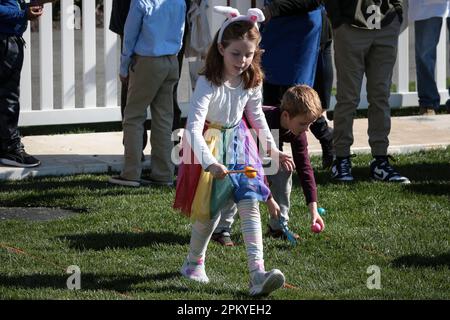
(253, 15)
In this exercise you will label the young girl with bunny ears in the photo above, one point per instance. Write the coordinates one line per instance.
(217, 140)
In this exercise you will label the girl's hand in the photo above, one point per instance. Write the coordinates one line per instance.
(274, 208)
(219, 171)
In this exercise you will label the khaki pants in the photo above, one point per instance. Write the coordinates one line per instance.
(373, 52)
(151, 83)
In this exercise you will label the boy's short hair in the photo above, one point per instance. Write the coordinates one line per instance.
(302, 100)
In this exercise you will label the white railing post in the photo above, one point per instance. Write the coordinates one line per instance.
(68, 16)
(25, 76)
(46, 57)
(215, 20)
(242, 6)
(89, 54)
(403, 62)
(110, 59)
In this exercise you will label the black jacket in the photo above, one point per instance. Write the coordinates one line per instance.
(358, 12)
(119, 15)
(291, 7)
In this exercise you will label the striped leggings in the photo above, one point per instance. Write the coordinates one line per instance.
(251, 229)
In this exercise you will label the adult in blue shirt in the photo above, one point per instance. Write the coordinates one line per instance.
(14, 16)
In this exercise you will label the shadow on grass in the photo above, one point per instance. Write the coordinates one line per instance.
(117, 283)
(432, 189)
(123, 240)
(69, 182)
(416, 260)
(56, 189)
(89, 281)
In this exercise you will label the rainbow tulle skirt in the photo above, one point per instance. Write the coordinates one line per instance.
(200, 196)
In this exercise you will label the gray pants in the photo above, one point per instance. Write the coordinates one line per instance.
(280, 186)
(373, 52)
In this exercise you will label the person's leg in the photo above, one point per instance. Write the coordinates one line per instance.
(222, 233)
(280, 186)
(426, 39)
(323, 85)
(351, 45)
(262, 282)
(12, 152)
(162, 168)
(323, 82)
(194, 265)
(380, 64)
(251, 230)
(146, 77)
(324, 134)
(123, 104)
(176, 108)
(10, 67)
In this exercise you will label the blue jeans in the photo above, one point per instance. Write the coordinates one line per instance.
(427, 33)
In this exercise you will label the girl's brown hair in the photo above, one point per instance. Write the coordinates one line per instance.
(214, 65)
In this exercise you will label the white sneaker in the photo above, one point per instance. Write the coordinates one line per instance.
(263, 283)
(194, 272)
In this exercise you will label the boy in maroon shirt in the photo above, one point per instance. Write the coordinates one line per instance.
(300, 107)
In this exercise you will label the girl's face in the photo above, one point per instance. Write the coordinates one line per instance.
(237, 57)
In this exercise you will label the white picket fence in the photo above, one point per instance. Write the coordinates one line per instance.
(40, 107)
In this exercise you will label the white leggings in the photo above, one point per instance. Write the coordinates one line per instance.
(251, 229)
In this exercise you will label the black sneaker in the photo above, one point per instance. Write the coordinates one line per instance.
(19, 158)
(224, 238)
(324, 134)
(380, 169)
(278, 233)
(342, 170)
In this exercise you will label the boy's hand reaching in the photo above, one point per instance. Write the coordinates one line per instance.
(219, 171)
(284, 160)
(274, 208)
(316, 218)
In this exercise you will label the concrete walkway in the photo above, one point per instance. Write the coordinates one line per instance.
(103, 152)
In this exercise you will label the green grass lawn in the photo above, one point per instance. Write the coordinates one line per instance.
(129, 243)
